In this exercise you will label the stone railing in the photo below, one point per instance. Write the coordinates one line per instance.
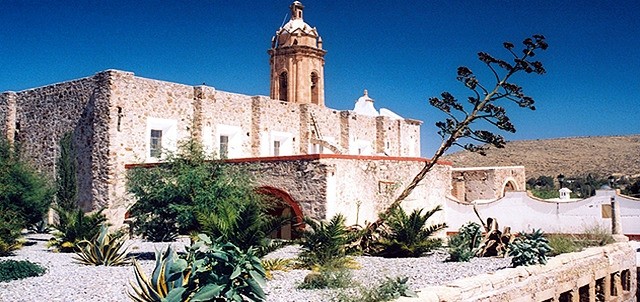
(596, 274)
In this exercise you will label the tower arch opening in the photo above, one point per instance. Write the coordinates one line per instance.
(314, 88)
(283, 86)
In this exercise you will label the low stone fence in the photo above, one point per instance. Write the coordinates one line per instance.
(596, 274)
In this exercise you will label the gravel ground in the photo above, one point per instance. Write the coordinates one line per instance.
(68, 281)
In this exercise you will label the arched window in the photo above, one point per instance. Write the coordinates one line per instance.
(282, 86)
(314, 88)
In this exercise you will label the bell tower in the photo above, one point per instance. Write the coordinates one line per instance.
(297, 61)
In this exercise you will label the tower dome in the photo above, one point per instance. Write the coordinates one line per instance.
(297, 61)
(296, 31)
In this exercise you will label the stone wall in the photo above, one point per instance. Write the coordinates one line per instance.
(134, 102)
(357, 187)
(362, 187)
(596, 274)
(36, 120)
(486, 183)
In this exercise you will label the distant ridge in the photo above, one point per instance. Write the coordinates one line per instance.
(602, 155)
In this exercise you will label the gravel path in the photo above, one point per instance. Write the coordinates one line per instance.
(68, 281)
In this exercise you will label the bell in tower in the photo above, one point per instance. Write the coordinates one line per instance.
(297, 61)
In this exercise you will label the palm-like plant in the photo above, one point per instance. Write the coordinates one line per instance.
(324, 243)
(73, 226)
(409, 235)
(245, 223)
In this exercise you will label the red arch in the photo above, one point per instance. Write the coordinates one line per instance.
(295, 206)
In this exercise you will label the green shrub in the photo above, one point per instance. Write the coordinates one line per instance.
(409, 235)
(389, 289)
(595, 235)
(463, 246)
(560, 244)
(323, 243)
(529, 249)
(192, 192)
(74, 226)
(10, 231)
(104, 249)
(459, 250)
(327, 278)
(23, 191)
(210, 271)
(545, 193)
(15, 270)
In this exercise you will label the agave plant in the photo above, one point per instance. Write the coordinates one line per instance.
(210, 271)
(170, 275)
(104, 249)
(529, 249)
(409, 235)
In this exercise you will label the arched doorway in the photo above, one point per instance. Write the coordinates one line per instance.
(509, 186)
(284, 206)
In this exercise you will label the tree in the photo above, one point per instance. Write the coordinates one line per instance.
(23, 190)
(66, 170)
(192, 192)
(480, 107)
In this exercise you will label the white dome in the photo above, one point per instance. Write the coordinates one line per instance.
(364, 106)
(390, 114)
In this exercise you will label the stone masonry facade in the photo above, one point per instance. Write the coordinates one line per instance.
(358, 187)
(112, 113)
(486, 183)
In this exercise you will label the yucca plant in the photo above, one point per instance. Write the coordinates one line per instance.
(276, 264)
(529, 249)
(409, 235)
(104, 249)
(324, 243)
(210, 271)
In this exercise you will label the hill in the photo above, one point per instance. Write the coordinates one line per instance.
(601, 155)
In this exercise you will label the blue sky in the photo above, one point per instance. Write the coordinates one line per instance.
(403, 52)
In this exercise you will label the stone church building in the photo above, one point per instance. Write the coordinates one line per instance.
(320, 161)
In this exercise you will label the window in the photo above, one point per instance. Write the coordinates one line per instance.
(276, 148)
(224, 146)
(161, 135)
(155, 144)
